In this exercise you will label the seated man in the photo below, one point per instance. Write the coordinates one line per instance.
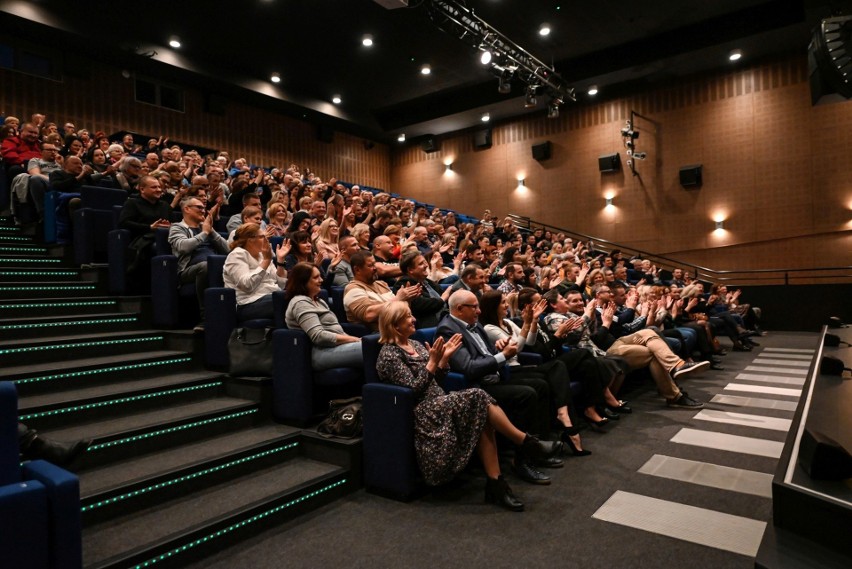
(340, 272)
(473, 277)
(142, 215)
(366, 295)
(193, 240)
(17, 151)
(428, 307)
(39, 170)
(237, 219)
(386, 266)
(525, 400)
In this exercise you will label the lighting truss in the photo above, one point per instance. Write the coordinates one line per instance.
(508, 58)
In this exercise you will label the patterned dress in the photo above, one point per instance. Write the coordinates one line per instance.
(446, 426)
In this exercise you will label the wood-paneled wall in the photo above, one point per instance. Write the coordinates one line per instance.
(104, 101)
(775, 170)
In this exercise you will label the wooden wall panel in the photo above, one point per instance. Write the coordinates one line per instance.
(773, 166)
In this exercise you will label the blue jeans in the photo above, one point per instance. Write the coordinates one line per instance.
(342, 355)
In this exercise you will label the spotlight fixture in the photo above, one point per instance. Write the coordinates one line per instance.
(367, 40)
(530, 100)
(486, 117)
(336, 99)
(553, 110)
(425, 70)
(485, 58)
(544, 30)
(593, 90)
(174, 41)
(401, 137)
(275, 78)
(735, 55)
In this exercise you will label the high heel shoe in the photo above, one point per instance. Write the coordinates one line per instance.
(621, 408)
(569, 443)
(598, 425)
(498, 492)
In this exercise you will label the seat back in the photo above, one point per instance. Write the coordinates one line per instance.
(370, 347)
(10, 470)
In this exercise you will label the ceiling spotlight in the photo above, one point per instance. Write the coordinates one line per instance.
(485, 58)
(735, 55)
(553, 110)
(275, 78)
(544, 30)
(425, 70)
(486, 117)
(401, 137)
(174, 41)
(593, 90)
(530, 100)
(367, 40)
(336, 99)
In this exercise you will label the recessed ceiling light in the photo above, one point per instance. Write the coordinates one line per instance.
(735, 54)
(401, 137)
(275, 78)
(593, 90)
(485, 58)
(544, 30)
(367, 40)
(425, 70)
(174, 41)
(336, 99)
(486, 117)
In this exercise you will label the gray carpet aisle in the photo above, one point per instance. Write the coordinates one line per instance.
(664, 488)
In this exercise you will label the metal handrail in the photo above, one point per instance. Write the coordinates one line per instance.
(700, 272)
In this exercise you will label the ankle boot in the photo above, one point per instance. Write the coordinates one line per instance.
(498, 492)
(56, 452)
(535, 449)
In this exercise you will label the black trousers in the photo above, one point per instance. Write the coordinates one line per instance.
(525, 397)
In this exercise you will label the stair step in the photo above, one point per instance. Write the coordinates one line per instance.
(12, 238)
(213, 515)
(150, 430)
(30, 260)
(41, 325)
(130, 490)
(56, 306)
(18, 352)
(32, 275)
(31, 379)
(29, 250)
(100, 402)
(23, 290)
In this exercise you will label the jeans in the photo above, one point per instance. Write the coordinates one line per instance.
(341, 355)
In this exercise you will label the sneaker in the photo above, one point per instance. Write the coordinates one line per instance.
(689, 368)
(685, 402)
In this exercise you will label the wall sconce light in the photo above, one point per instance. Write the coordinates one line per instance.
(720, 225)
(521, 182)
(608, 202)
(449, 167)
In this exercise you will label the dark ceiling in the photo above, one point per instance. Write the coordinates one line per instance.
(231, 49)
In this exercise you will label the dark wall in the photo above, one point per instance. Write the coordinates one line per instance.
(800, 307)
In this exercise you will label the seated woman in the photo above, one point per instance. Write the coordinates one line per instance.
(301, 250)
(251, 272)
(326, 242)
(332, 347)
(448, 428)
(495, 309)
(277, 215)
(251, 214)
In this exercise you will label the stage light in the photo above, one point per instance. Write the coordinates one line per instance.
(485, 117)
(367, 40)
(336, 99)
(593, 90)
(174, 41)
(530, 100)
(275, 78)
(425, 70)
(401, 137)
(544, 30)
(735, 55)
(485, 58)
(553, 110)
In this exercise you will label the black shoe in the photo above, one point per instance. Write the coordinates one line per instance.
(621, 408)
(598, 425)
(689, 368)
(750, 342)
(609, 414)
(498, 492)
(58, 453)
(566, 438)
(685, 402)
(551, 462)
(526, 472)
(539, 450)
(740, 347)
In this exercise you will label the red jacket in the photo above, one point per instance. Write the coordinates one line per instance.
(16, 152)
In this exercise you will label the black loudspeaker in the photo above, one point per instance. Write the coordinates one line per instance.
(429, 144)
(609, 163)
(823, 458)
(482, 139)
(325, 134)
(690, 176)
(541, 151)
(214, 104)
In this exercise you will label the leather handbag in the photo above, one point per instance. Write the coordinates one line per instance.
(250, 351)
(344, 419)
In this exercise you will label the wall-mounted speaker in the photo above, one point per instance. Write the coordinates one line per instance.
(325, 134)
(609, 163)
(542, 151)
(429, 144)
(690, 176)
(482, 139)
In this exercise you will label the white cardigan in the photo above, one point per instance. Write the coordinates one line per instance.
(243, 273)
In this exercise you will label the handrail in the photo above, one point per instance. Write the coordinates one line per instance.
(700, 272)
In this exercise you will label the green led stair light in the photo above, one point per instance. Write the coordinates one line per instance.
(59, 304)
(100, 370)
(67, 323)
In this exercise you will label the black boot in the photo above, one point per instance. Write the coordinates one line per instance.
(56, 452)
(540, 450)
(498, 492)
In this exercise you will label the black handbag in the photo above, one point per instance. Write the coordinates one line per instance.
(344, 419)
(250, 351)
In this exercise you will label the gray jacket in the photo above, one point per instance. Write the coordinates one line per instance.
(184, 243)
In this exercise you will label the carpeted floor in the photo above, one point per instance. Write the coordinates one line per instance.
(452, 527)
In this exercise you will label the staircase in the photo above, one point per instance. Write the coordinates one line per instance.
(184, 461)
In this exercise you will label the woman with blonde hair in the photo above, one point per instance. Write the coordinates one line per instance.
(249, 270)
(326, 240)
(277, 215)
(449, 427)
(361, 233)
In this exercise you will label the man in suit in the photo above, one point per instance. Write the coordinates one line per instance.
(485, 367)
